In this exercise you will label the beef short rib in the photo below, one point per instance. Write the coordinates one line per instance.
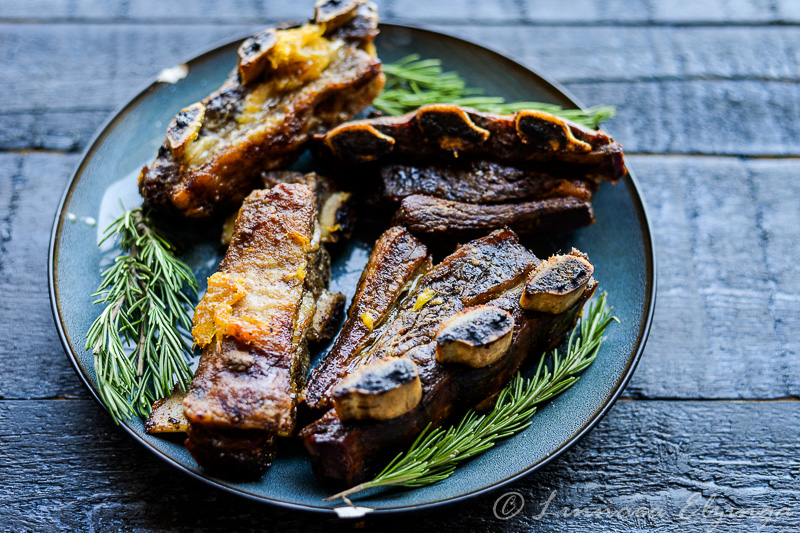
(460, 323)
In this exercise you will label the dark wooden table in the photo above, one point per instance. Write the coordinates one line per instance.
(706, 436)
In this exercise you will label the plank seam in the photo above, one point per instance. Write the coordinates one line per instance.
(188, 21)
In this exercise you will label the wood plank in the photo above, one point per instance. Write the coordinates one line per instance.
(587, 12)
(728, 298)
(570, 54)
(32, 361)
(67, 80)
(99, 68)
(746, 118)
(726, 237)
(70, 68)
(644, 465)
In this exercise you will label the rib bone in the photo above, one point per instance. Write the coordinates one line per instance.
(379, 391)
(477, 336)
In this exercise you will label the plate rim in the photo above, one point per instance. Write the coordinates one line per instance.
(641, 339)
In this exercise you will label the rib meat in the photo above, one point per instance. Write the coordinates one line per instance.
(290, 84)
(481, 282)
(335, 209)
(253, 325)
(396, 261)
(431, 216)
(532, 171)
(476, 182)
(444, 133)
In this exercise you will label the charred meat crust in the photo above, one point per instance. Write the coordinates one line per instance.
(236, 454)
(444, 133)
(256, 356)
(476, 182)
(381, 390)
(345, 454)
(216, 179)
(456, 173)
(445, 219)
(335, 208)
(491, 271)
(396, 260)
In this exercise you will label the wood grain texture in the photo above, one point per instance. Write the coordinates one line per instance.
(701, 117)
(728, 290)
(584, 12)
(32, 362)
(74, 68)
(736, 84)
(570, 54)
(646, 457)
(689, 78)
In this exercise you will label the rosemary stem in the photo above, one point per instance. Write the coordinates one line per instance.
(145, 302)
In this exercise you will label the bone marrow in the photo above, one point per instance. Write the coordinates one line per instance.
(477, 336)
(378, 391)
(557, 283)
(184, 128)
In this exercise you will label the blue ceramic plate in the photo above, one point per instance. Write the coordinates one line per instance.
(619, 245)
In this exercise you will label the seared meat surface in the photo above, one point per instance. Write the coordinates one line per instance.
(397, 260)
(431, 216)
(334, 207)
(462, 326)
(531, 171)
(476, 182)
(290, 84)
(335, 210)
(253, 325)
(445, 133)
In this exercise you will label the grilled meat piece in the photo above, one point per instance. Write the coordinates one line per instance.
(475, 182)
(444, 219)
(253, 325)
(455, 173)
(335, 209)
(290, 84)
(167, 416)
(445, 133)
(481, 282)
(397, 261)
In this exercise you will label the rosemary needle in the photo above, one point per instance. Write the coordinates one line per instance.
(146, 293)
(436, 453)
(413, 82)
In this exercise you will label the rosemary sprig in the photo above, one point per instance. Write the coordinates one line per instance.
(146, 293)
(436, 453)
(412, 82)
